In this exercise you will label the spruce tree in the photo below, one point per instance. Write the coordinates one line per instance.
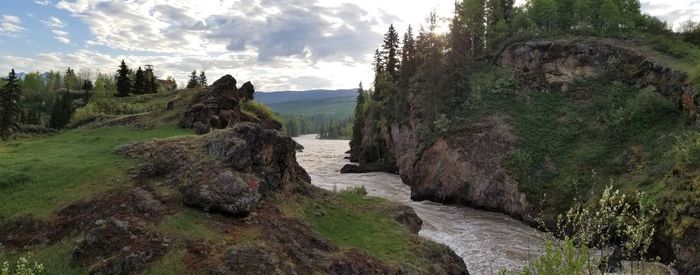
(356, 140)
(87, 87)
(194, 80)
(408, 59)
(61, 112)
(151, 81)
(140, 82)
(10, 108)
(70, 80)
(391, 51)
(202, 79)
(123, 81)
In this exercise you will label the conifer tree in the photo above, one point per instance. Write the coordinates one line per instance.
(123, 80)
(140, 82)
(10, 108)
(61, 112)
(356, 140)
(194, 80)
(87, 87)
(151, 81)
(203, 79)
(391, 51)
(408, 59)
(70, 80)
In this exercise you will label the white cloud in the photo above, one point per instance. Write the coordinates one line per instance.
(277, 44)
(57, 26)
(43, 2)
(673, 11)
(10, 25)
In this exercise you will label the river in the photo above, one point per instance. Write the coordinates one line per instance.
(487, 241)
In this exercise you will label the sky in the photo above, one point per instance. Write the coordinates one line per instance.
(276, 44)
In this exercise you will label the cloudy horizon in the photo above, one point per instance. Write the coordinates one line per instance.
(276, 44)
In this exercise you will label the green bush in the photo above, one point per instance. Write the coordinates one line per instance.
(23, 266)
(115, 106)
(564, 258)
(687, 148)
(260, 110)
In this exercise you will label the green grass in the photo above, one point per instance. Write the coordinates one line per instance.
(56, 258)
(39, 176)
(353, 220)
(189, 224)
(171, 263)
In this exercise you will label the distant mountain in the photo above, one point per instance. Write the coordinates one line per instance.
(336, 107)
(271, 98)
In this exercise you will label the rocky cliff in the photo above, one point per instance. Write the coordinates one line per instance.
(218, 203)
(470, 165)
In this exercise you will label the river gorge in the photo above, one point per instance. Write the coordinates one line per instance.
(486, 241)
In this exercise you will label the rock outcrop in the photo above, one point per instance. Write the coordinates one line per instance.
(228, 171)
(560, 62)
(469, 167)
(218, 107)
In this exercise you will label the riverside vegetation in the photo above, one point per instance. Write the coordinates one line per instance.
(536, 111)
(129, 189)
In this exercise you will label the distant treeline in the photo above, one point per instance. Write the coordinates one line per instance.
(50, 99)
(325, 126)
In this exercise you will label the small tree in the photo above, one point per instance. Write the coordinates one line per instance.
(194, 80)
(10, 108)
(123, 81)
(140, 82)
(87, 87)
(61, 112)
(151, 82)
(203, 79)
(70, 80)
(173, 81)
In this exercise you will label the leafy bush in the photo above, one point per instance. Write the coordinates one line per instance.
(563, 258)
(614, 220)
(115, 106)
(258, 109)
(687, 148)
(22, 267)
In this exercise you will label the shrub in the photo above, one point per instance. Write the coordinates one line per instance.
(687, 148)
(114, 106)
(615, 220)
(260, 110)
(563, 258)
(22, 267)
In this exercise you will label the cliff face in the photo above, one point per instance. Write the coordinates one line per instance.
(469, 166)
(560, 62)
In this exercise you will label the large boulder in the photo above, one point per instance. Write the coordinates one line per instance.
(228, 171)
(218, 106)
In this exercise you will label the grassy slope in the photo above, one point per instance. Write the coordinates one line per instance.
(353, 220)
(39, 176)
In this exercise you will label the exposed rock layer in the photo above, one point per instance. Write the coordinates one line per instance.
(468, 168)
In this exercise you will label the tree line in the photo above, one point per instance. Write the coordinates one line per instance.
(325, 126)
(50, 99)
(428, 63)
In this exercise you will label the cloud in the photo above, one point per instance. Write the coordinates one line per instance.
(43, 2)
(57, 26)
(10, 26)
(673, 12)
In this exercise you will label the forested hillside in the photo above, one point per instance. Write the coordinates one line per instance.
(535, 110)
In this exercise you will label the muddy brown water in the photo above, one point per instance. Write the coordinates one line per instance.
(488, 242)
